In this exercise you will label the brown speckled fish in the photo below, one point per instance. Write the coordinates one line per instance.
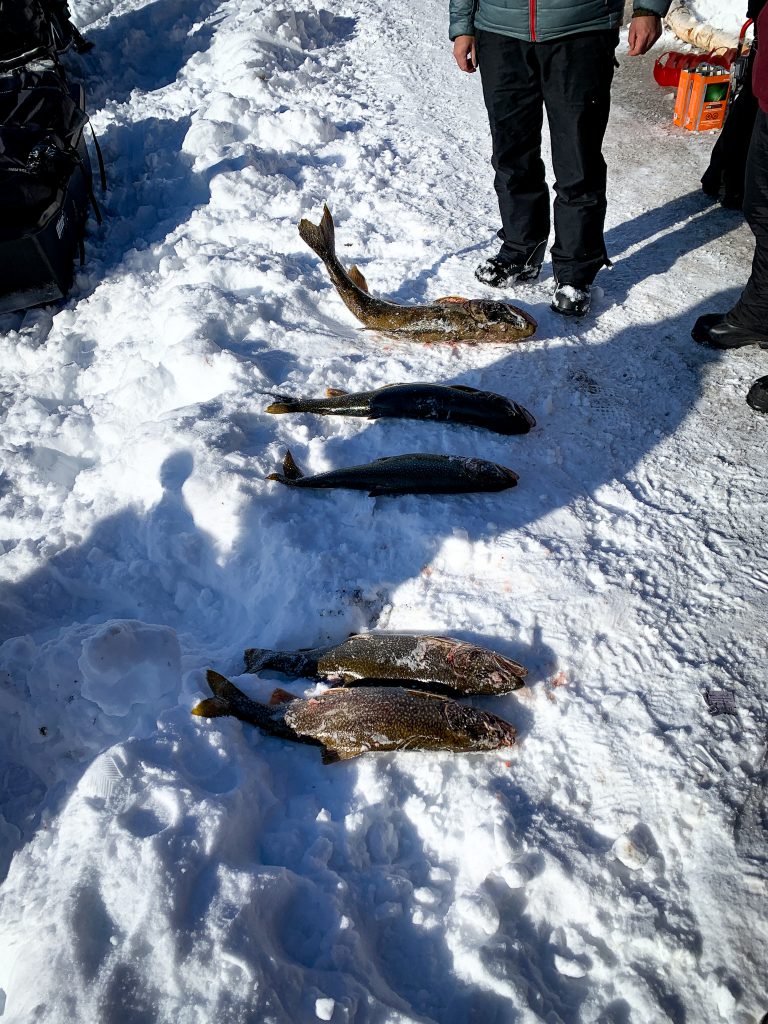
(447, 319)
(346, 723)
(452, 665)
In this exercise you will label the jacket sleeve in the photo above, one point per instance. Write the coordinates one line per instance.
(659, 7)
(462, 18)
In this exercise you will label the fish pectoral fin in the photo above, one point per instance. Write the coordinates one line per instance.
(357, 278)
(378, 492)
(290, 469)
(449, 300)
(280, 696)
(335, 392)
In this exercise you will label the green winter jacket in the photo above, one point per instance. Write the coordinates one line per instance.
(540, 20)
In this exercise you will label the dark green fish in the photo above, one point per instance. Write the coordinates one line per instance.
(447, 319)
(453, 403)
(436, 661)
(407, 474)
(346, 723)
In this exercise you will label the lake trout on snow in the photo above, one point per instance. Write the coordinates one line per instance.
(446, 319)
(345, 723)
(453, 665)
(452, 403)
(406, 474)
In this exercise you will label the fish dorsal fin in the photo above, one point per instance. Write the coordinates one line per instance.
(464, 387)
(280, 696)
(357, 278)
(290, 469)
(335, 392)
(449, 299)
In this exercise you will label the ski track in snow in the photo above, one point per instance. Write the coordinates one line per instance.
(160, 868)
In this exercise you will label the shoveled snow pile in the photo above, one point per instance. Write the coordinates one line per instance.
(158, 867)
(728, 17)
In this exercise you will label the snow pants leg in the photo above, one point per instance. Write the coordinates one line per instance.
(729, 157)
(570, 78)
(751, 311)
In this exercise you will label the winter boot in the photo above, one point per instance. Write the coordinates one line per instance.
(571, 301)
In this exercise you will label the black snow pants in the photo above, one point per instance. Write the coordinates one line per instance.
(570, 77)
(751, 311)
(729, 156)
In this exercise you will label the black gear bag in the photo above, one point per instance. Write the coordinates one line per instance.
(45, 184)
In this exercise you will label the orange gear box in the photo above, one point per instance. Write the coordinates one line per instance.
(702, 99)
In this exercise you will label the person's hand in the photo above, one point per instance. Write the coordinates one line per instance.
(465, 54)
(644, 30)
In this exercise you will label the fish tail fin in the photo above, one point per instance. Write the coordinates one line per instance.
(224, 695)
(321, 238)
(257, 658)
(211, 707)
(284, 403)
(280, 696)
(291, 471)
(357, 278)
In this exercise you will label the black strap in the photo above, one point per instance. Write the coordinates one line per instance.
(100, 158)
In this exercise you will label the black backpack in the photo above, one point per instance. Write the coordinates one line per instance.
(34, 29)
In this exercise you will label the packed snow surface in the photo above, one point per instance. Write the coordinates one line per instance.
(163, 868)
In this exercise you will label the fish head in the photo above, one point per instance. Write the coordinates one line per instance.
(503, 319)
(472, 729)
(490, 476)
(488, 671)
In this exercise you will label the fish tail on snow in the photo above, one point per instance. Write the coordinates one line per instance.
(284, 403)
(225, 695)
(290, 472)
(321, 238)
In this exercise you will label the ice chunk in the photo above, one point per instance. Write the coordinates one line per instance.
(128, 662)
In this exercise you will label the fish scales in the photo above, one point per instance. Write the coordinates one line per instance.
(441, 402)
(451, 318)
(351, 722)
(455, 665)
(415, 473)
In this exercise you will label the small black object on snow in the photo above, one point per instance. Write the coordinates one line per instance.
(720, 702)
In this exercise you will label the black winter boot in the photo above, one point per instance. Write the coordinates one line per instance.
(757, 396)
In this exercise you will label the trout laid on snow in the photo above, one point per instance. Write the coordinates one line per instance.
(346, 723)
(437, 661)
(407, 474)
(447, 319)
(453, 403)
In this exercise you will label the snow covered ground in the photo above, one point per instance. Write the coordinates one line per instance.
(161, 868)
(728, 16)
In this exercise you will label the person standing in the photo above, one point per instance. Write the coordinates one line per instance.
(724, 178)
(547, 54)
(747, 322)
